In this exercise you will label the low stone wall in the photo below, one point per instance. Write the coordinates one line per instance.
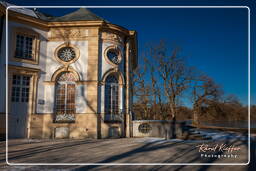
(158, 128)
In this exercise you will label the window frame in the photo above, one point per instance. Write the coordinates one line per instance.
(21, 96)
(67, 44)
(116, 49)
(112, 114)
(66, 95)
(35, 45)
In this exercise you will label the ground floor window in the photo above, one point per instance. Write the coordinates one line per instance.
(20, 88)
(65, 97)
(111, 98)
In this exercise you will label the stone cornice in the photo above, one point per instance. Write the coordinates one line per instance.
(45, 25)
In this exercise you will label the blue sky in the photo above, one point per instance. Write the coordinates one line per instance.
(213, 40)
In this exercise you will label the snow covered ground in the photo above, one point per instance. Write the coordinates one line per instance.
(215, 135)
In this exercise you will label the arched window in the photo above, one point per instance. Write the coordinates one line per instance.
(111, 95)
(65, 97)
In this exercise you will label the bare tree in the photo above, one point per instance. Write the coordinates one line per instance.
(232, 99)
(154, 89)
(141, 92)
(175, 75)
(164, 80)
(205, 91)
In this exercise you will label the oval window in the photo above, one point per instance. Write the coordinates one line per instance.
(144, 128)
(114, 56)
(66, 54)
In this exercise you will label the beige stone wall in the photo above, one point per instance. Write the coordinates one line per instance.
(106, 129)
(84, 127)
(92, 87)
(91, 98)
(89, 123)
(42, 126)
(87, 37)
(86, 124)
(36, 126)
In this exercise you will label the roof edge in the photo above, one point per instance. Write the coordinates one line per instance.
(49, 24)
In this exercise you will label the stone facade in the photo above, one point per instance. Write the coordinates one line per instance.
(91, 67)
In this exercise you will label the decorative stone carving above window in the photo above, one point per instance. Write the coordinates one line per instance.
(67, 76)
(67, 34)
(112, 37)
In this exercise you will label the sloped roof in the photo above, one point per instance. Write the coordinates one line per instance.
(25, 11)
(81, 14)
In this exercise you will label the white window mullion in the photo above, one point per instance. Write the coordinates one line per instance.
(111, 95)
(24, 46)
(21, 89)
(20, 85)
(111, 106)
(65, 98)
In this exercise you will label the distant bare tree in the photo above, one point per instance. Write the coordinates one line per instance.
(163, 81)
(205, 91)
(232, 99)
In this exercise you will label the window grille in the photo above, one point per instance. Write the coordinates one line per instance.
(111, 97)
(24, 46)
(20, 88)
(144, 128)
(65, 97)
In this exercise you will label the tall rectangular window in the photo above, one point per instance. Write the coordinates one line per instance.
(20, 88)
(24, 46)
(112, 111)
(65, 98)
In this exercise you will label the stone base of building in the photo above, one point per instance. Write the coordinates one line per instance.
(85, 126)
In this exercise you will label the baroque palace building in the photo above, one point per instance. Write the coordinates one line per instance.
(68, 76)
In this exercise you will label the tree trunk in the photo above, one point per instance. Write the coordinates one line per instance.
(196, 112)
(173, 111)
(173, 127)
(195, 118)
